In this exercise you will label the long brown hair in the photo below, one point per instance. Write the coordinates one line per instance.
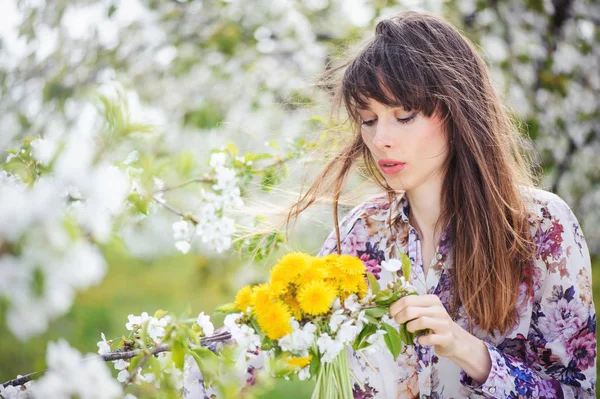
(428, 66)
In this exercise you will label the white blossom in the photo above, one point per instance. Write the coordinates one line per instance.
(337, 318)
(155, 329)
(347, 332)
(182, 230)
(243, 335)
(44, 150)
(70, 375)
(204, 322)
(183, 246)
(103, 346)
(329, 347)
(304, 373)
(392, 265)
(300, 339)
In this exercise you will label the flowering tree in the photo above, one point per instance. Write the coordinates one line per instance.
(122, 120)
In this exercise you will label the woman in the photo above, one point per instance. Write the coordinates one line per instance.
(502, 268)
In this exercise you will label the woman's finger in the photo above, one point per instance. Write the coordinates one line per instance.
(426, 322)
(414, 300)
(414, 312)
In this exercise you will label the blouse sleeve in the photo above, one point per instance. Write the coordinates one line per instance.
(348, 240)
(561, 344)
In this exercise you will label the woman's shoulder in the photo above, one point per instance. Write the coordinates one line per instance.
(543, 204)
(554, 226)
(373, 205)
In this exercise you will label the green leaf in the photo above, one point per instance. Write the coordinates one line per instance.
(371, 319)
(159, 314)
(255, 326)
(192, 334)
(207, 362)
(376, 312)
(373, 283)
(178, 354)
(385, 297)
(111, 10)
(406, 336)
(232, 148)
(392, 340)
(405, 266)
(226, 309)
(205, 354)
(134, 362)
(257, 157)
(185, 163)
(361, 340)
(270, 179)
(140, 202)
(315, 364)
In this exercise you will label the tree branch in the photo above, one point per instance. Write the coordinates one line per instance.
(205, 180)
(176, 211)
(118, 354)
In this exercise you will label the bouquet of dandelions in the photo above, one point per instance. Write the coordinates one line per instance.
(313, 309)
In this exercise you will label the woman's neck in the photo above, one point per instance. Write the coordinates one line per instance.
(425, 208)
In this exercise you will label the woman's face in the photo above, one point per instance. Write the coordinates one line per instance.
(409, 148)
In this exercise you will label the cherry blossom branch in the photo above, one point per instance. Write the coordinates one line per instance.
(205, 180)
(176, 211)
(120, 354)
(208, 180)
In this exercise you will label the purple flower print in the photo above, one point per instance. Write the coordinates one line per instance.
(371, 264)
(368, 393)
(354, 243)
(514, 347)
(372, 257)
(582, 348)
(563, 320)
(549, 242)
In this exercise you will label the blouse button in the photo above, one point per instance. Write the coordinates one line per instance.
(492, 390)
(439, 256)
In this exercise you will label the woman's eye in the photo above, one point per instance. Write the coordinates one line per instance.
(407, 119)
(401, 120)
(368, 123)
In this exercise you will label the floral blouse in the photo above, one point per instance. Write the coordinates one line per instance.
(549, 353)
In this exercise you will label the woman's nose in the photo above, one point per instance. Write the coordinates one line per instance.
(383, 138)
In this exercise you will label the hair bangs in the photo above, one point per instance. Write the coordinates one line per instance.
(386, 74)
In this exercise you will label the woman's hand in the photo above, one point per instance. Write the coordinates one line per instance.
(427, 312)
(448, 338)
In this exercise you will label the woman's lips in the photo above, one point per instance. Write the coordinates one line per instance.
(390, 166)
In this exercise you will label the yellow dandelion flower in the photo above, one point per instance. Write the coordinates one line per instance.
(290, 300)
(274, 320)
(349, 283)
(299, 362)
(261, 296)
(243, 298)
(331, 260)
(312, 274)
(321, 264)
(289, 267)
(351, 265)
(316, 297)
(363, 288)
(279, 287)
